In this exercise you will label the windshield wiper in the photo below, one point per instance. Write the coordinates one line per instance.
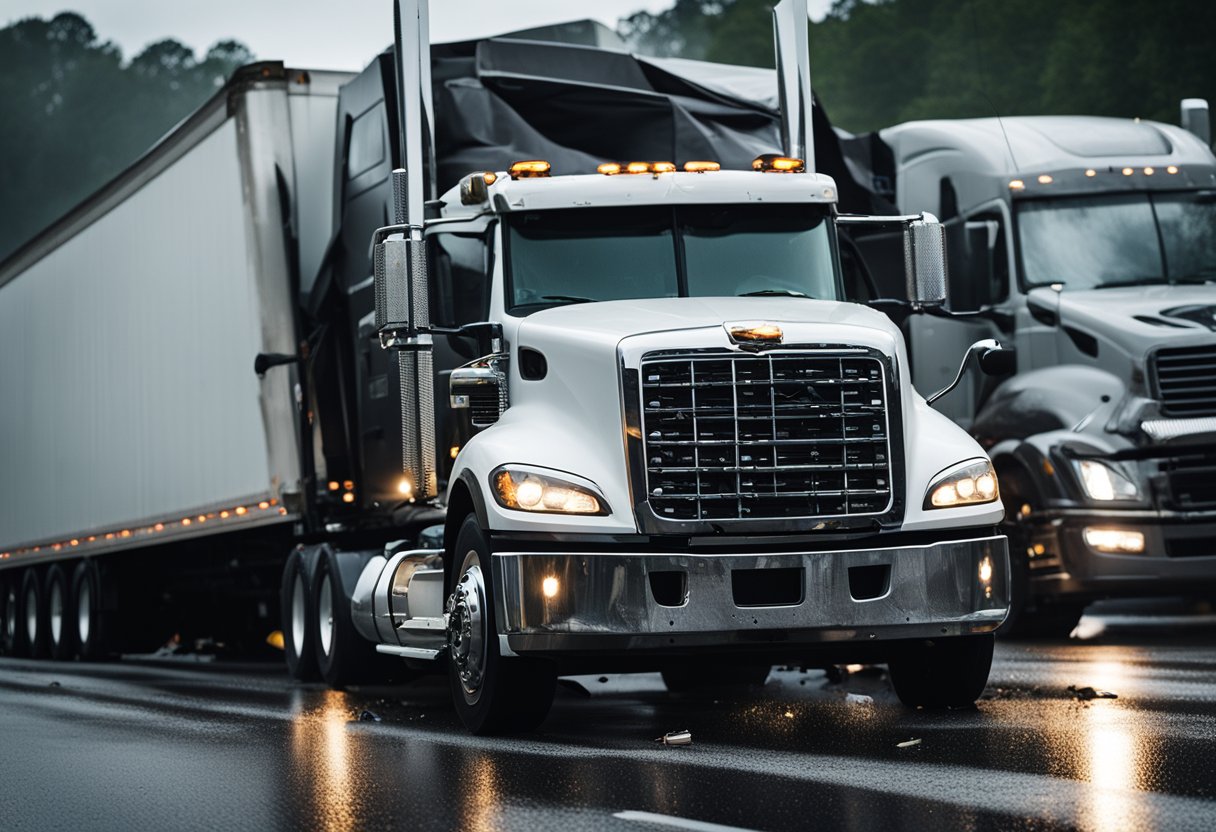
(1135, 281)
(784, 293)
(568, 298)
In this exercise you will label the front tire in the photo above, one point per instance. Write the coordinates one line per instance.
(299, 618)
(493, 694)
(943, 673)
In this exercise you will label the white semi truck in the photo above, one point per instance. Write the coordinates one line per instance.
(634, 398)
(1089, 244)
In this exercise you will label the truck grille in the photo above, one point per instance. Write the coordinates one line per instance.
(748, 437)
(1192, 481)
(1186, 380)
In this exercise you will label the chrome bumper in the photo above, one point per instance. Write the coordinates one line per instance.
(603, 601)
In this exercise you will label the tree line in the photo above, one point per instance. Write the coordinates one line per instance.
(875, 63)
(74, 114)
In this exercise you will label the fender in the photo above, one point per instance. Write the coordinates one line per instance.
(1049, 399)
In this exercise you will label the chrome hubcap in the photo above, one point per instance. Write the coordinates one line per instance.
(56, 613)
(84, 611)
(297, 615)
(325, 617)
(467, 629)
(10, 614)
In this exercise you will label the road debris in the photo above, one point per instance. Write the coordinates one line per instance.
(369, 716)
(858, 699)
(908, 743)
(1087, 693)
(675, 738)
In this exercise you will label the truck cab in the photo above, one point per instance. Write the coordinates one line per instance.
(1089, 244)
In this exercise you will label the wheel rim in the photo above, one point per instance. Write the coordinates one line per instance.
(297, 614)
(31, 615)
(325, 616)
(84, 611)
(466, 629)
(10, 614)
(56, 616)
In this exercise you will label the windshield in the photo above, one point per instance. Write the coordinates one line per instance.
(1118, 240)
(593, 254)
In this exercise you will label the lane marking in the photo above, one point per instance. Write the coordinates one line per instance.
(676, 821)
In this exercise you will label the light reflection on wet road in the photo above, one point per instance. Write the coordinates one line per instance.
(166, 747)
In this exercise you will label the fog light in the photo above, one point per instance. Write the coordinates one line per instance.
(1115, 541)
(549, 586)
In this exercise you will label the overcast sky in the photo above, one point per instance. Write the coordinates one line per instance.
(321, 34)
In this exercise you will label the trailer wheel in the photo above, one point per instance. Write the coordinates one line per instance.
(343, 656)
(61, 623)
(31, 617)
(8, 615)
(88, 612)
(692, 680)
(299, 618)
(943, 673)
(492, 693)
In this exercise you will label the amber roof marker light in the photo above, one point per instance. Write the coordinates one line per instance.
(701, 167)
(775, 163)
(530, 169)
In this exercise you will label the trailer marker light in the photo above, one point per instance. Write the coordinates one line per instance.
(530, 169)
(185, 522)
(263, 505)
(348, 497)
(1115, 541)
(1128, 171)
(1045, 179)
(609, 168)
(1091, 173)
(701, 167)
(349, 485)
(160, 527)
(334, 486)
(549, 586)
(1172, 169)
(223, 515)
(773, 163)
(1017, 185)
(239, 510)
(454, 451)
(1149, 171)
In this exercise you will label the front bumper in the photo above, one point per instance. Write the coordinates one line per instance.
(606, 601)
(1179, 554)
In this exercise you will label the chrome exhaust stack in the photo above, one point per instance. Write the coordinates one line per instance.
(794, 80)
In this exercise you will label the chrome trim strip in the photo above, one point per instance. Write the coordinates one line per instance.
(1163, 429)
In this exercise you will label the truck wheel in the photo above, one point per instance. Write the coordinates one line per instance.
(709, 680)
(944, 673)
(493, 694)
(61, 624)
(87, 608)
(31, 617)
(299, 619)
(8, 616)
(343, 656)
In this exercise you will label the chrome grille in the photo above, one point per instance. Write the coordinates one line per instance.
(1186, 380)
(785, 435)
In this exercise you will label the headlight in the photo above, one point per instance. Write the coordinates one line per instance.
(1103, 482)
(525, 490)
(969, 483)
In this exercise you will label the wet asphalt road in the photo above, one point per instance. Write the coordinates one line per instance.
(137, 746)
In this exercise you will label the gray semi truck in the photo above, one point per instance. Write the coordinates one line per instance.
(503, 360)
(1089, 244)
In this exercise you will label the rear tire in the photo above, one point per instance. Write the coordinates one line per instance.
(709, 680)
(31, 617)
(943, 673)
(299, 618)
(8, 615)
(61, 623)
(493, 694)
(90, 620)
(343, 656)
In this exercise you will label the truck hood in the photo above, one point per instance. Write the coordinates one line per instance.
(614, 320)
(1138, 318)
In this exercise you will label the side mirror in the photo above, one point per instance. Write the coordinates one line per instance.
(993, 360)
(925, 261)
